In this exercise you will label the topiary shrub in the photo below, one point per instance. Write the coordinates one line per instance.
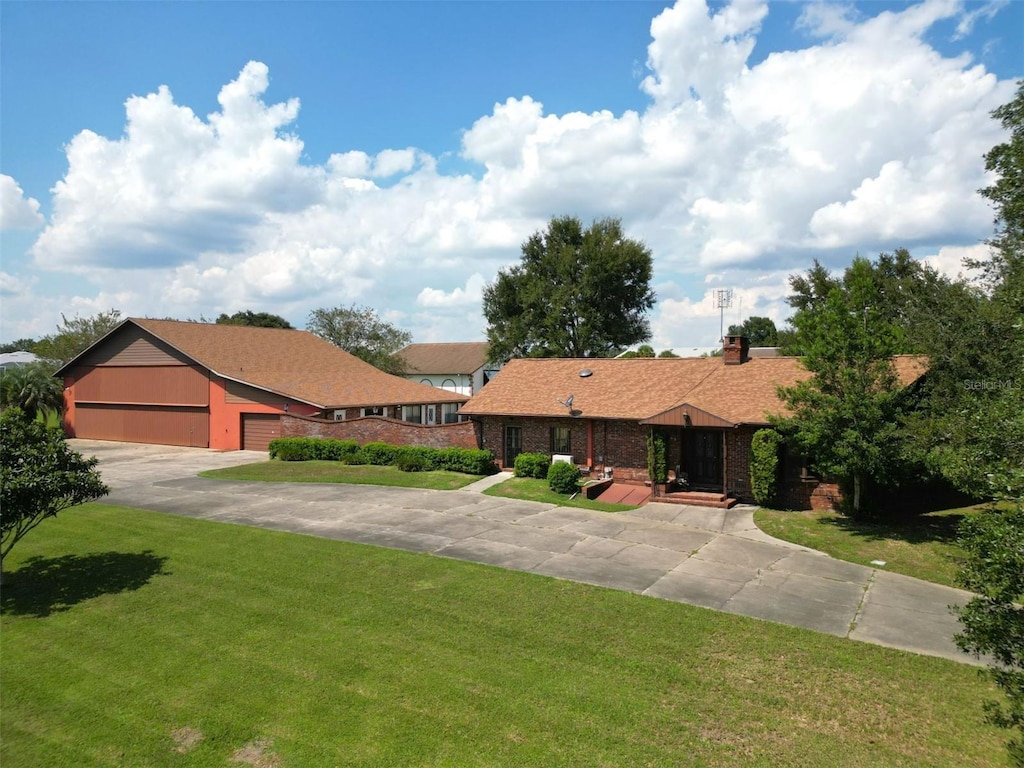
(532, 465)
(764, 466)
(563, 477)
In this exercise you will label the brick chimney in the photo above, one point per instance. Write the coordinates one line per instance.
(735, 350)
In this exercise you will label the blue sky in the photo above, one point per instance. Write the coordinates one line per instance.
(416, 145)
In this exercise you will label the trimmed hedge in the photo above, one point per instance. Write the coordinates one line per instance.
(532, 465)
(410, 458)
(311, 448)
(764, 466)
(380, 454)
(563, 477)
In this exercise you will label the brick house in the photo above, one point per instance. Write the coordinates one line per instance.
(598, 413)
(228, 386)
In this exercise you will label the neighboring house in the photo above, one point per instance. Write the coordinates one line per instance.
(460, 367)
(600, 412)
(226, 386)
(16, 359)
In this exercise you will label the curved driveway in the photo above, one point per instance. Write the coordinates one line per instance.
(713, 558)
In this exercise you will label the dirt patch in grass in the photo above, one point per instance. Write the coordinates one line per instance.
(185, 739)
(256, 753)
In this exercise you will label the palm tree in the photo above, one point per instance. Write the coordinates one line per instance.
(32, 388)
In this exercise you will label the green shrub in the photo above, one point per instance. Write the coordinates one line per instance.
(411, 461)
(311, 448)
(470, 461)
(380, 454)
(288, 449)
(657, 457)
(764, 466)
(423, 457)
(563, 477)
(532, 465)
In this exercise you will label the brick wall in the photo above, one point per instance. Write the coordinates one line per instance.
(379, 429)
(620, 445)
(737, 463)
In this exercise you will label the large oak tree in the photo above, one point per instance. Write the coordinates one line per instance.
(575, 293)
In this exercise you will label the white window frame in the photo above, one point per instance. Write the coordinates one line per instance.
(405, 414)
(339, 414)
(446, 412)
(381, 408)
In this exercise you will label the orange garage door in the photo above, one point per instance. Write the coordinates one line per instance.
(162, 425)
(258, 429)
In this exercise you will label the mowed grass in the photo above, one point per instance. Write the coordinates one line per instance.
(532, 489)
(922, 546)
(335, 472)
(133, 638)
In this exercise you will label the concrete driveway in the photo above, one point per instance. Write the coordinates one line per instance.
(712, 558)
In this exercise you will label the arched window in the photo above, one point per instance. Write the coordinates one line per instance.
(450, 385)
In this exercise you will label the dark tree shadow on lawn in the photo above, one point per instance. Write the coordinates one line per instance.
(912, 529)
(45, 585)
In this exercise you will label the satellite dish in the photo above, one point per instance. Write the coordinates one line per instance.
(567, 402)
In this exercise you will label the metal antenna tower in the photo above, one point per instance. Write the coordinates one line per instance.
(723, 300)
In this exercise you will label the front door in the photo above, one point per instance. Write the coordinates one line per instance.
(513, 444)
(704, 457)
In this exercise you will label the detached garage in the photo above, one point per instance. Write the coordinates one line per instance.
(220, 386)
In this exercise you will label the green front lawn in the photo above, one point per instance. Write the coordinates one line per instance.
(532, 489)
(334, 472)
(923, 546)
(134, 638)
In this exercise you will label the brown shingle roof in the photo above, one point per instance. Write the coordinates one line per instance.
(439, 358)
(640, 388)
(292, 363)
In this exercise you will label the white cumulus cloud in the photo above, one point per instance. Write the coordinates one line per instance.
(867, 141)
(17, 211)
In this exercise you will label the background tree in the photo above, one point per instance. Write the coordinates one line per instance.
(846, 415)
(575, 293)
(255, 319)
(644, 350)
(761, 331)
(31, 388)
(75, 336)
(19, 345)
(359, 331)
(39, 477)
(981, 445)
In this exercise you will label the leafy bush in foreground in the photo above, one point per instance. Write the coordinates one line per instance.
(532, 465)
(563, 477)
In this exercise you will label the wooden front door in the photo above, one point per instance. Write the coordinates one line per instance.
(513, 444)
(704, 457)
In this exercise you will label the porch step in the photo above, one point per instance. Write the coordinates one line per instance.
(698, 499)
(624, 493)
